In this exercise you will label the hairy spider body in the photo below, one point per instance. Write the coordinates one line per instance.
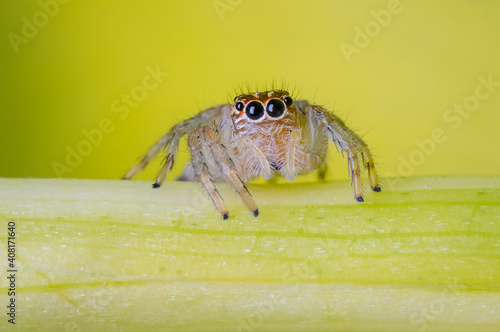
(273, 145)
(259, 135)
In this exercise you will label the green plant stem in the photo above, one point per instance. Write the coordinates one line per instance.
(108, 255)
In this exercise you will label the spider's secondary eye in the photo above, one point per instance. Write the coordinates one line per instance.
(240, 106)
(288, 101)
(255, 110)
(275, 108)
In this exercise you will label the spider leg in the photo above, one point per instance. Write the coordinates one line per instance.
(353, 162)
(372, 173)
(297, 159)
(195, 146)
(347, 140)
(169, 161)
(150, 155)
(289, 167)
(218, 150)
(312, 137)
(252, 151)
(170, 141)
(217, 200)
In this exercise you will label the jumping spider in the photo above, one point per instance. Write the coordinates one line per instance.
(260, 134)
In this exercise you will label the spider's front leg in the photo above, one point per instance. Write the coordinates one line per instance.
(199, 155)
(347, 141)
(170, 141)
(210, 156)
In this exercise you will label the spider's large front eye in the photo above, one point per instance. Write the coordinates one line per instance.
(255, 110)
(275, 108)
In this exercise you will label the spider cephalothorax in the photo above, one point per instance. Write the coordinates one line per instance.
(260, 134)
(271, 122)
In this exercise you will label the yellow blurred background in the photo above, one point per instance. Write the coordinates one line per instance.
(88, 86)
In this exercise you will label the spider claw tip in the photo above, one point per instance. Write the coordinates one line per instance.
(156, 185)
(377, 189)
(360, 199)
(256, 213)
(225, 216)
